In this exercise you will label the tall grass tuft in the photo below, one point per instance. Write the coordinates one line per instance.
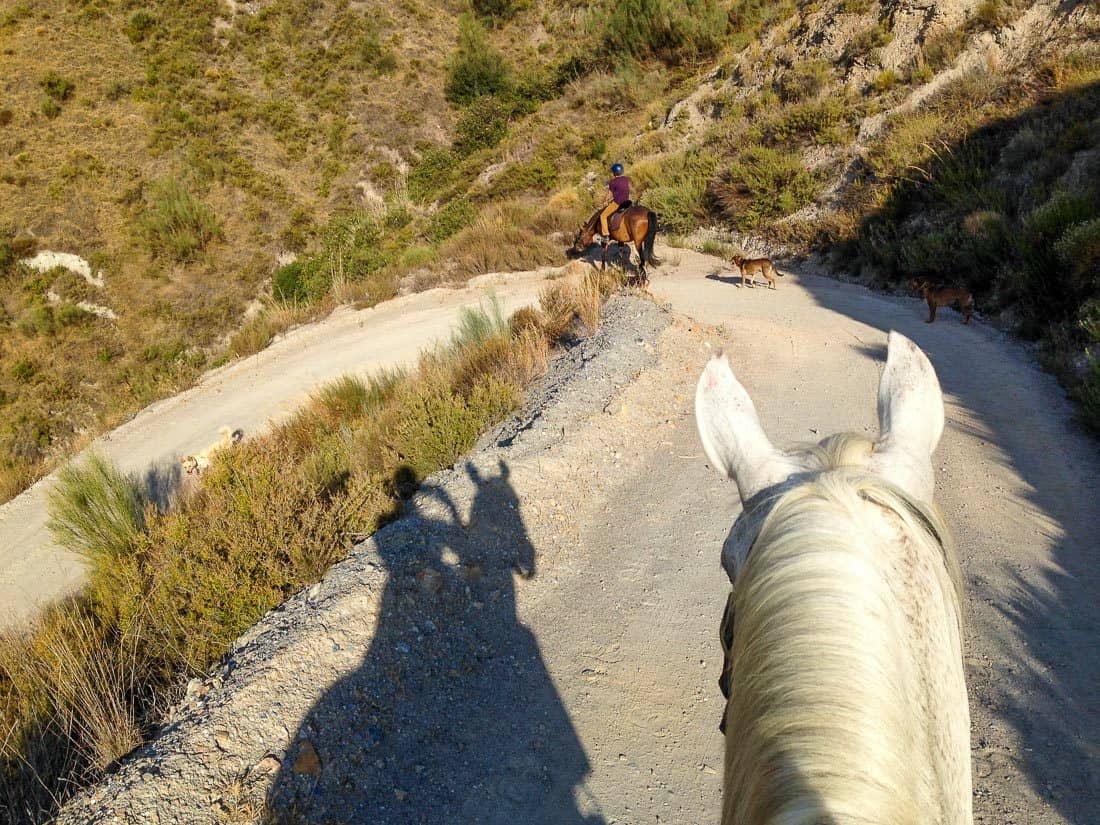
(475, 326)
(96, 511)
(176, 223)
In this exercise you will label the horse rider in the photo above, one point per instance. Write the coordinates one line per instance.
(618, 194)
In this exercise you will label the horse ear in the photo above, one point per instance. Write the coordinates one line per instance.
(731, 433)
(910, 419)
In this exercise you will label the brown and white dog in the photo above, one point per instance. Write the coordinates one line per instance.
(750, 267)
(195, 464)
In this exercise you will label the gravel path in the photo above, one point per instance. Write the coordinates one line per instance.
(250, 394)
(431, 678)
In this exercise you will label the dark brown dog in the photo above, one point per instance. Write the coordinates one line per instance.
(940, 296)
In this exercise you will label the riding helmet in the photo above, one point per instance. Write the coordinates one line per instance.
(616, 169)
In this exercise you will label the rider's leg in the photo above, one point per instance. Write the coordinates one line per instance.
(607, 212)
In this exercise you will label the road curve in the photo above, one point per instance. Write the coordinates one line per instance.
(251, 393)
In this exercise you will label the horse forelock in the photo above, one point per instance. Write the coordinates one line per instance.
(822, 717)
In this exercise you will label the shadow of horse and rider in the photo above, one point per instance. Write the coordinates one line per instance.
(632, 224)
(452, 715)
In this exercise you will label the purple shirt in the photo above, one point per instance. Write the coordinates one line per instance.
(620, 188)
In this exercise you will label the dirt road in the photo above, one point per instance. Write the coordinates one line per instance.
(423, 681)
(250, 394)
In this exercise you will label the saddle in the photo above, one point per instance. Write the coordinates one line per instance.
(617, 216)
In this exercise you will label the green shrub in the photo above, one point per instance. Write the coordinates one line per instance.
(866, 41)
(96, 512)
(676, 188)
(747, 18)
(536, 175)
(941, 49)
(353, 249)
(1078, 249)
(51, 108)
(816, 120)
(7, 251)
(38, 319)
(482, 125)
(856, 6)
(433, 173)
(991, 14)
(1062, 212)
(140, 25)
(437, 425)
(670, 31)
(763, 184)
(804, 80)
(415, 257)
(476, 69)
(478, 325)
(175, 222)
(297, 283)
(1087, 394)
(454, 217)
(57, 87)
(23, 370)
(70, 315)
(497, 11)
(885, 80)
(347, 398)
(920, 72)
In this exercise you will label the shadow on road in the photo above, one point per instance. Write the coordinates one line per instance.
(452, 716)
(1046, 683)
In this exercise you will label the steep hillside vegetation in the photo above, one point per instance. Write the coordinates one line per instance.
(191, 151)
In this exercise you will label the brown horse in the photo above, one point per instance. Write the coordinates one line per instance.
(637, 226)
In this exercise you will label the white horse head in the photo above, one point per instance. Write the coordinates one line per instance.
(843, 631)
(910, 414)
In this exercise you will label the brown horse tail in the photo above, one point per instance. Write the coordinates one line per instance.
(650, 239)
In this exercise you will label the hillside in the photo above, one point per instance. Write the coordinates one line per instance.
(233, 168)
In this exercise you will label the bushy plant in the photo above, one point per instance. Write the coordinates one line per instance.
(482, 125)
(433, 173)
(139, 26)
(454, 217)
(810, 121)
(942, 47)
(1078, 250)
(991, 14)
(497, 11)
(1087, 394)
(763, 184)
(673, 32)
(475, 69)
(676, 188)
(97, 512)
(57, 87)
(866, 41)
(885, 80)
(176, 223)
(804, 80)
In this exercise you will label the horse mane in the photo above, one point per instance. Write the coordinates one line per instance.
(822, 655)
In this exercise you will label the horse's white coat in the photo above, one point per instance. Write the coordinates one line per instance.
(843, 633)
